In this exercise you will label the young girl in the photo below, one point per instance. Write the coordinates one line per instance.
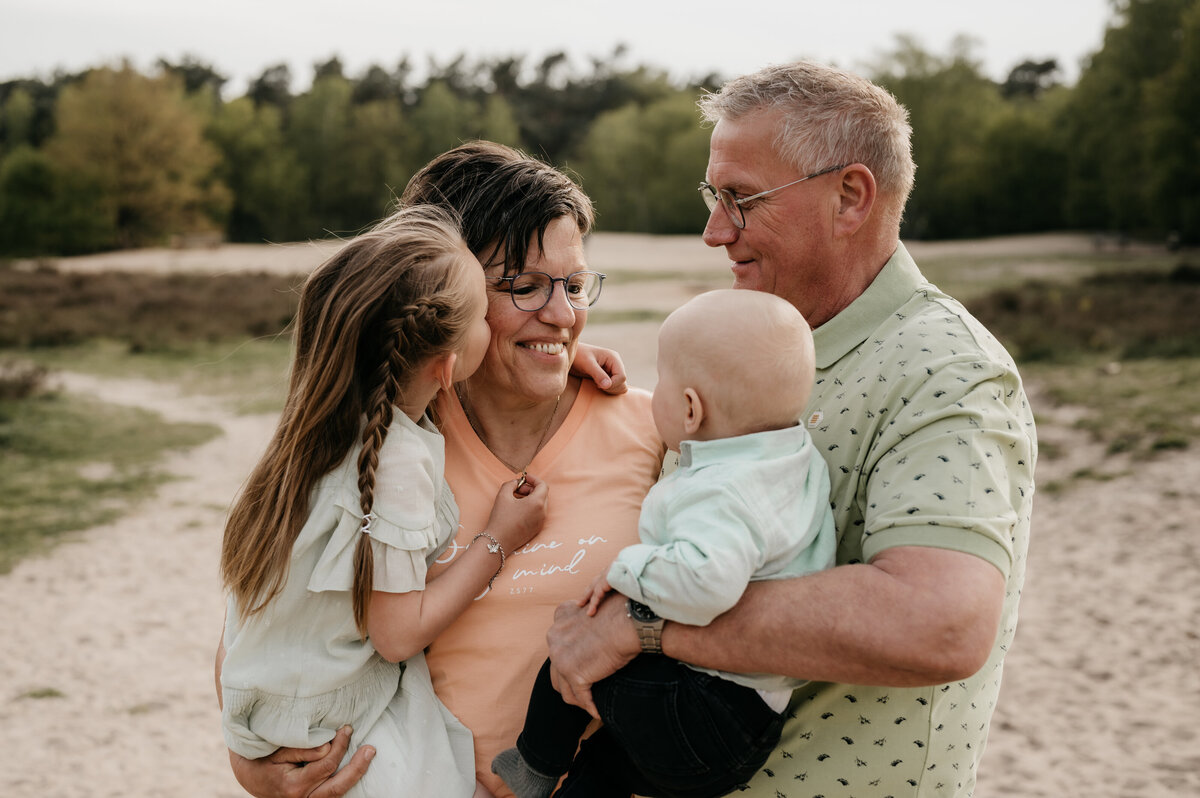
(325, 552)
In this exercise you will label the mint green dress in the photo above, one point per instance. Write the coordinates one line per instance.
(297, 671)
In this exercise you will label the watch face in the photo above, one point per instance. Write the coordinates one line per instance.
(641, 612)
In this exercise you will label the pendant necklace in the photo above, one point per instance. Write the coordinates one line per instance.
(520, 472)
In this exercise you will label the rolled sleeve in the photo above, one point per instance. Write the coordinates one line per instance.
(705, 567)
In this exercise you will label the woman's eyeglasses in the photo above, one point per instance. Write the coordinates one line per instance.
(530, 291)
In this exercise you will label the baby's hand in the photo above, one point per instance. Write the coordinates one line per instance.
(518, 511)
(595, 595)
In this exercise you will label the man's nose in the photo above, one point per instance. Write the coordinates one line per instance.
(720, 229)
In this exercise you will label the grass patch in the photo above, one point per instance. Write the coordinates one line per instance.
(1137, 407)
(68, 463)
(250, 375)
(1125, 315)
(1125, 344)
(973, 276)
(43, 692)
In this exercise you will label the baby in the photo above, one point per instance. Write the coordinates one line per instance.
(749, 501)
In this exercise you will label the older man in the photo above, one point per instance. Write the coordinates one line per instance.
(922, 418)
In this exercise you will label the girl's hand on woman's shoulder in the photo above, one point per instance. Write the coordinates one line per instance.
(602, 366)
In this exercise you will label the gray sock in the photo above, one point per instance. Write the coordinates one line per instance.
(523, 780)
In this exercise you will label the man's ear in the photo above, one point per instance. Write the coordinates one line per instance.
(857, 194)
(693, 411)
(443, 370)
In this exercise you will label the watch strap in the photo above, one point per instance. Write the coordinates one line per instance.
(649, 626)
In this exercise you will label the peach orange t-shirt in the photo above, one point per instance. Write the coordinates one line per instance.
(598, 466)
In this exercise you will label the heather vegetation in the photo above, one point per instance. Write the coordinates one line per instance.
(1115, 332)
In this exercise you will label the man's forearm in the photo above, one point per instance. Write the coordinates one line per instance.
(912, 617)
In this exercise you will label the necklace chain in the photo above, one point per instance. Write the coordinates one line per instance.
(479, 431)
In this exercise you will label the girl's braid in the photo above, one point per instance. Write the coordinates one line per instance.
(406, 342)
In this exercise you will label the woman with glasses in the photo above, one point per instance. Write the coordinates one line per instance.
(521, 410)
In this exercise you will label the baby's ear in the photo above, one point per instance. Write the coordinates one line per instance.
(694, 412)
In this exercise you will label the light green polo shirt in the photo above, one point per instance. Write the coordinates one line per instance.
(923, 421)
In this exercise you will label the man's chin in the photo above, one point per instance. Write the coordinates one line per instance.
(748, 282)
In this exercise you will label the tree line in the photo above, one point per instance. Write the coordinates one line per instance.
(111, 157)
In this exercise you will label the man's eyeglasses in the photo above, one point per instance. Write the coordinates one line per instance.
(530, 291)
(733, 205)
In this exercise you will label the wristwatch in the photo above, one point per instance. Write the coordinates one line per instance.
(649, 626)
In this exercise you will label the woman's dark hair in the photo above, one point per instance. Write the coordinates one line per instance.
(503, 197)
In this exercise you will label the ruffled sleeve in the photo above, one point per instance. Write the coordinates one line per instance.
(409, 509)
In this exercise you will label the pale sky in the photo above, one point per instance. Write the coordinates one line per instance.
(240, 38)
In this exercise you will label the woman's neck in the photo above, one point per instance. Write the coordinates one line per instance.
(515, 428)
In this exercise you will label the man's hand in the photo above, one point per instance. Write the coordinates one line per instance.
(303, 772)
(585, 649)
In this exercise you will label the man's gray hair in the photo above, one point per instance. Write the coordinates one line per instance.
(828, 116)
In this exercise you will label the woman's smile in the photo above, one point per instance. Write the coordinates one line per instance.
(556, 348)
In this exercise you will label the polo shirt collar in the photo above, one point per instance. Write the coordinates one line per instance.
(891, 289)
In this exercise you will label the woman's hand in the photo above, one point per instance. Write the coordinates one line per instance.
(601, 366)
(518, 512)
(303, 772)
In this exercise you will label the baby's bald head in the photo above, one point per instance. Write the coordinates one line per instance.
(748, 354)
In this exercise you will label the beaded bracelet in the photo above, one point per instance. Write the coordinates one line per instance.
(495, 548)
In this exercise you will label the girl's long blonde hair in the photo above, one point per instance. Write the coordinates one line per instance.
(383, 305)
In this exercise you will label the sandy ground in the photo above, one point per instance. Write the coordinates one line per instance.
(106, 672)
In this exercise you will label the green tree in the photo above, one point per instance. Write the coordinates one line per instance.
(357, 156)
(30, 120)
(498, 122)
(319, 131)
(951, 107)
(1029, 79)
(1020, 172)
(16, 120)
(134, 142)
(381, 158)
(269, 184)
(376, 83)
(555, 109)
(195, 75)
(1115, 129)
(442, 119)
(1173, 137)
(272, 87)
(41, 213)
(27, 199)
(641, 166)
